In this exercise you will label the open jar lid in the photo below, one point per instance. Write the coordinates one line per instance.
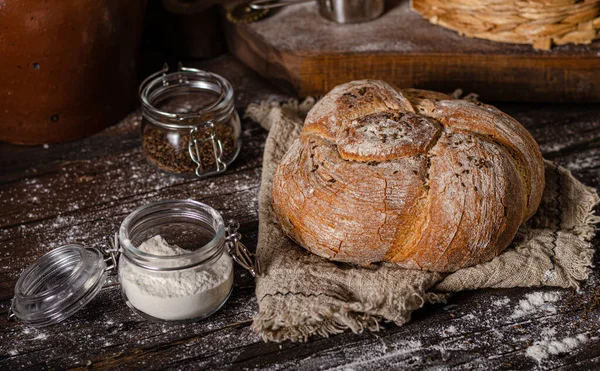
(58, 284)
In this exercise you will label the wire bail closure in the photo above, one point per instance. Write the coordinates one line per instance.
(111, 254)
(194, 149)
(239, 252)
(10, 316)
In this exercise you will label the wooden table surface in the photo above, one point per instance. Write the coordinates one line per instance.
(81, 191)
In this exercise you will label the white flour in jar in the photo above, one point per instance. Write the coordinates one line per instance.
(192, 293)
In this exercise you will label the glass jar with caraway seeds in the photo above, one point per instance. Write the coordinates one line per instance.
(189, 125)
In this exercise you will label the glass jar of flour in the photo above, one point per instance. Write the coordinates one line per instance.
(174, 265)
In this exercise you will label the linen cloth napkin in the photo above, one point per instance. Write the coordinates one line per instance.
(301, 294)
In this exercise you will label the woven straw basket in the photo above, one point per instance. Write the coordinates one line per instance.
(541, 23)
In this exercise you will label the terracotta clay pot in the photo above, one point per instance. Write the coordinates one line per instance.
(67, 68)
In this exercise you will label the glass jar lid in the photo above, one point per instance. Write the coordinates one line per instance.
(58, 284)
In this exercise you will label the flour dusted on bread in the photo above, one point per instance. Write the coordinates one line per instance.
(407, 176)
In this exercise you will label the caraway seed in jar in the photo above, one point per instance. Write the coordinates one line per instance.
(189, 125)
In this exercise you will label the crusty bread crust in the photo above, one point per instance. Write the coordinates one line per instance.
(408, 176)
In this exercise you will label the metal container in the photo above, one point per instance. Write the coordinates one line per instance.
(339, 11)
(351, 11)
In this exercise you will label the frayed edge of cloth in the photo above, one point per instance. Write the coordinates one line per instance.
(585, 231)
(276, 325)
(587, 225)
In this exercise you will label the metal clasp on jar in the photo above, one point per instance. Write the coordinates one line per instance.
(239, 252)
(111, 254)
(196, 144)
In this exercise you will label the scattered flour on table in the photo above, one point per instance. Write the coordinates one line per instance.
(583, 163)
(552, 147)
(536, 302)
(500, 302)
(548, 333)
(41, 336)
(366, 359)
(543, 349)
(470, 317)
(451, 330)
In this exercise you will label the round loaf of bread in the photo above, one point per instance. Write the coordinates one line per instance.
(407, 176)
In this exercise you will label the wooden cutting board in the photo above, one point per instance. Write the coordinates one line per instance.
(297, 49)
